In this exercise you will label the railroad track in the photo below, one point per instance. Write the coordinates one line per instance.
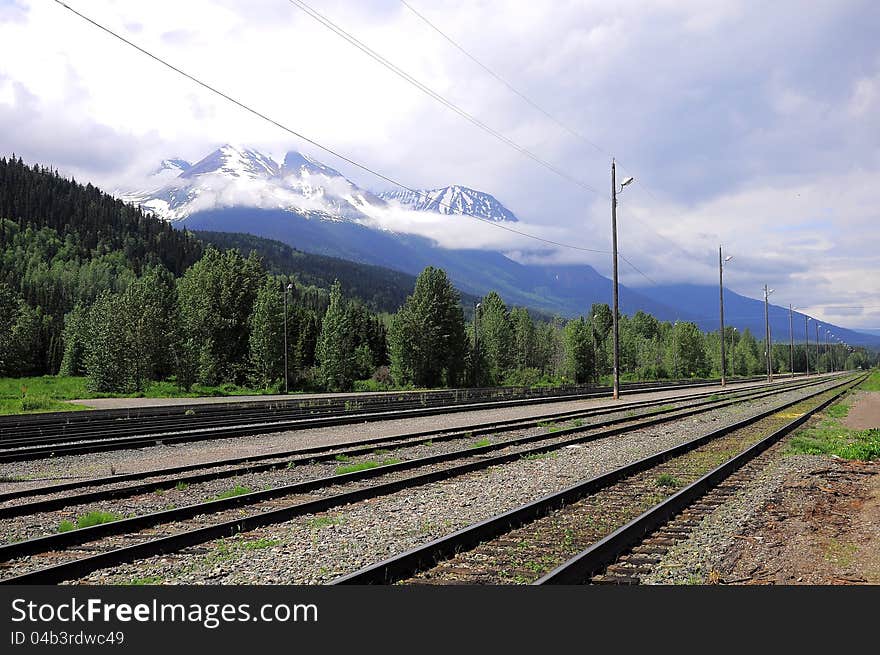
(36, 436)
(232, 467)
(71, 554)
(570, 536)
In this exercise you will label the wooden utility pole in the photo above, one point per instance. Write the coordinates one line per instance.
(616, 394)
(791, 338)
(721, 307)
(767, 334)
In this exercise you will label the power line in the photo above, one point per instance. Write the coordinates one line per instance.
(547, 114)
(336, 29)
(503, 81)
(636, 269)
(326, 149)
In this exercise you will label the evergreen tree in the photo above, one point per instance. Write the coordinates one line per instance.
(216, 297)
(8, 318)
(495, 337)
(525, 341)
(267, 335)
(75, 336)
(578, 351)
(427, 338)
(335, 352)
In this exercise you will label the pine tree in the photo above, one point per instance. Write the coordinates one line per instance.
(495, 337)
(578, 351)
(427, 340)
(267, 335)
(75, 325)
(335, 352)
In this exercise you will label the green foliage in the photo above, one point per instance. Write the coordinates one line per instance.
(88, 520)
(427, 337)
(495, 338)
(382, 289)
(872, 383)
(216, 298)
(363, 466)
(667, 480)
(237, 490)
(579, 351)
(266, 342)
(832, 439)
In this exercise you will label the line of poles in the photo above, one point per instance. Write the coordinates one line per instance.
(722, 262)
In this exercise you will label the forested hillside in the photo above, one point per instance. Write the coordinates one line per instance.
(382, 289)
(92, 287)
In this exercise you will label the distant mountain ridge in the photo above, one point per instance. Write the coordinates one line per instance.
(314, 208)
(454, 199)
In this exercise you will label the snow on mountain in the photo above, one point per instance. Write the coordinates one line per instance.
(232, 176)
(174, 166)
(454, 199)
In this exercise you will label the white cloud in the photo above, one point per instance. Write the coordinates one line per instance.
(747, 126)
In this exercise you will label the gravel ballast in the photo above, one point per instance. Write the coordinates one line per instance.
(314, 549)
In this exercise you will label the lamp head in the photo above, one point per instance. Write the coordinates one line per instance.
(628, 180)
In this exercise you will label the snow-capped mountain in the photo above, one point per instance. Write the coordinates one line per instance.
(232, 176)
(452, 200)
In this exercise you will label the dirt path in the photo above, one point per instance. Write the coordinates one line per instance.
(865, 411)
(821, 527)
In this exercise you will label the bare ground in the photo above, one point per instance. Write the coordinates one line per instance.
(821, 527)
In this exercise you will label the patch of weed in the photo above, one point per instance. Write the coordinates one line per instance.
(667, 480)
(237, 490)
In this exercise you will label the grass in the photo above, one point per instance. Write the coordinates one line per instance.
(88, 520)
(342, 458)
(363, 466)
(840, 410)
(47, 393)
(872, 383)
(667, 480)
(146, 580)
(319, 522)
(550, 426)
(661, 409)
(182, 486)
(832, 439)
(259, 544)
(480, 443)
(553, 454)
(232, 493)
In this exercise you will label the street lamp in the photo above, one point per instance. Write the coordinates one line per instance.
(615, 310)
(721, 262)
(791, 338)
(767, 293)
(287, 290)
(817, 347)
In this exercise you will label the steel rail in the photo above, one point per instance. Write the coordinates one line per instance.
(329, 400)
(408, 563)
(25, 453)
(605, 551)
(82, 566)
(363, 447)
(80, 425)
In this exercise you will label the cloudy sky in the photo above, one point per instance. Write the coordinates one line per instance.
(752, 124)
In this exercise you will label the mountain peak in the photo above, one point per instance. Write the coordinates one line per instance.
(174, 165)
(296, 163)
(454, 199)
(235, 161)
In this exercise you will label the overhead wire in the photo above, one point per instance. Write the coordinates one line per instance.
(350, 38)
(315, 143)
